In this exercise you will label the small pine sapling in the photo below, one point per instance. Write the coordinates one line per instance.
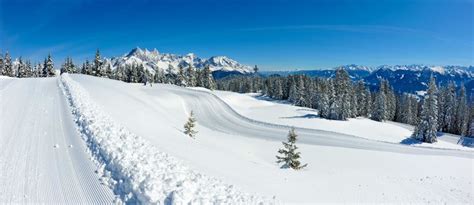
(288, 155)
(190, 125)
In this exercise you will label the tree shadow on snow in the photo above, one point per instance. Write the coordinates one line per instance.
(307, 116)
(410, 141)
(466, 141)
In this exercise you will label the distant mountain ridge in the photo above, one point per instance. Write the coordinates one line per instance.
(403, 78)
(154, 60)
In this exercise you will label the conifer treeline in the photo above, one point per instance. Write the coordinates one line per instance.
(24, 69)
(339, 98)
(136, 73)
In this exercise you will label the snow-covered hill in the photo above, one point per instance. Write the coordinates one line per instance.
(154, 60)
(241, 149)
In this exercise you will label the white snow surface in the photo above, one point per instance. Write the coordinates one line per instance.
(136, 170)
(241, 150)
(36, 167)
(258, 107)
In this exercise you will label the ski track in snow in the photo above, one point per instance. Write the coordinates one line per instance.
(216, 114)
(136, 170)
(35, 118)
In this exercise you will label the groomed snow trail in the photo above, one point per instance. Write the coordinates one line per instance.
(215, 114)
(136, 170)
(42, 157)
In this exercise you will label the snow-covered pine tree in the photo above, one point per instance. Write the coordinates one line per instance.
(300, 91)
(170, 76)
(159, 76)
(207, 80)
(342, 94)
(289, 155)
(39, 70)
(448, 108)
(7, 67)
(379, 110)
(333, 106)
(354, 100)
(278, 89)
(293, 92)
(181, 78)
(48, 67)
(29, 69)
(108, 72)
(462, 113)
(190, 76)
(21, 69)
(97, 69)
(2, 65)
(324, 99)
(390, 100)
(361, 98)
(189, 126)
(426, 130)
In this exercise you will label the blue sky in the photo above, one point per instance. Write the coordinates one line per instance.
(276, 35)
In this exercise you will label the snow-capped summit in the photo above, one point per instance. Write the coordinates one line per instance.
(154, 60)
(355, 67)
(224, 63)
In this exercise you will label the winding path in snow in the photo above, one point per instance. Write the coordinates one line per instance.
(43, 159)
(215, 114)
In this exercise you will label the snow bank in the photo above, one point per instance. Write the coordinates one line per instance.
(136, 171)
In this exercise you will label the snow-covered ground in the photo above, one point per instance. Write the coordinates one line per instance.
(260, 108)
(137, 171)
(240, 150)
(42, 157)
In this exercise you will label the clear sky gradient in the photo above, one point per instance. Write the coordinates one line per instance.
(276, 35)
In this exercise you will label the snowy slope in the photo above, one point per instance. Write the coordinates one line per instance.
(137, 171)
(154, 60)
(264, 109)
(241, 151)
(42, 157)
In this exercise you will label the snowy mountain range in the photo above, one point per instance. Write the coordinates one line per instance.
(154, 60)
(403, 78)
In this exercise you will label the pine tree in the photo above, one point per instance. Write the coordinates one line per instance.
(8, 68)
(293, 92)
(2, 65)
(159, 76)
(289, 155)
(29, 69)
(190, 76)
(21, 69)
(462, 113)
(189, 126)
(48, 69)
(108, 72)
(97, 70)
(206, 79)
(170, 76)
(447, 108)
(323, 105)
(379, 111)
(342, 95)
(181, 78)
(426, 129)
